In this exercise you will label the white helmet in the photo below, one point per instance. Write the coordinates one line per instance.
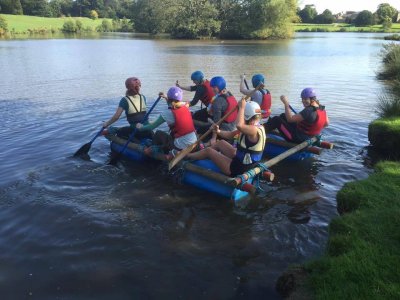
(252, 108)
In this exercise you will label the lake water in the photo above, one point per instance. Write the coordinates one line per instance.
(74, 229)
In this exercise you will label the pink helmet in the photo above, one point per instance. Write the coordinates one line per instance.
(175, 93)
(132, 83)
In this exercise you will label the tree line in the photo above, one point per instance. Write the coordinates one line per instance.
(385, 15)
(181, 18)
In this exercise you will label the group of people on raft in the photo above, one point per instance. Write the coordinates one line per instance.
(237, 144)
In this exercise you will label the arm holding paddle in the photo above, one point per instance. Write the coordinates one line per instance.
(114, 118)
(114, 159)
(244, 87)
(186, 88)
(289, 117)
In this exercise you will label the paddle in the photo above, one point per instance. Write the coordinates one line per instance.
(116, 155)
(85, 148)
(291, 108)
(182, 154)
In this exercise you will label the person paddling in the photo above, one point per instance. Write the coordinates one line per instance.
(179, 120)
(251, 142)
(134, 106)
(304, 125)
(222, 103)
(262, 97)
(203, 93)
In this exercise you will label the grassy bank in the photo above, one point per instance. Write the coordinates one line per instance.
(363, 253)
(31, 24)
(384, 135)
(341, 27)
(362, 258)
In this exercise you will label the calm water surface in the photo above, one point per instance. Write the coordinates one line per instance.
(73, 229)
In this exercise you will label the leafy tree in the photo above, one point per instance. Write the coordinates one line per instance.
(36, 8)
(325, 18)
(387, 23)
(154, 16)
(3, 26)
(94, 15)
(385, 11)
(308, 14)
(364, 18)
(258, 19)
(196, 18)
(11, 7)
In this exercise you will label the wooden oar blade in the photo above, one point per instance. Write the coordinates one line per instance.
(182, 154)
(83, 150)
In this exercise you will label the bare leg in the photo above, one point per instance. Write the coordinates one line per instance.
(223, 162)
(226, 148)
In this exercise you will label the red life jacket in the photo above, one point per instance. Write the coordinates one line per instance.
(183, 121)
(232, 103)
(209, 93)
(316, 127)
(266, 103)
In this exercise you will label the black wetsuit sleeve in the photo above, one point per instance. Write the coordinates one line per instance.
(200, 90)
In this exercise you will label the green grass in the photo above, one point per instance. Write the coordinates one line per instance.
(25, 24)
(384, 135)
(342, 27)
(363, 253)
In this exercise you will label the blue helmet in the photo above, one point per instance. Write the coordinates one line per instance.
(218, 82)
(257, 79)
(308, 93)
(197, 76)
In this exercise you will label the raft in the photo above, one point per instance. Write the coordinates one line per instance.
(202, 174)
(274, 149)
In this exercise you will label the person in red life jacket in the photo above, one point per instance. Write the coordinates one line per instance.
(262, 97)
(222, 103)
(251, 142)
(134, 106)
(179, 120)
(304, 125)
(203, 93)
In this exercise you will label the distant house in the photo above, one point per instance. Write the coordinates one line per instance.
(346, 17)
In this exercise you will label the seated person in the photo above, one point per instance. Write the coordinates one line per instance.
(262, 97)
(179, 120)
(203, 93)
(304, 125)
(134, 106)
(251, 142)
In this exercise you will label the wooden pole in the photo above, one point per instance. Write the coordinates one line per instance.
(312, 149)
(269, 163)
(187, 166)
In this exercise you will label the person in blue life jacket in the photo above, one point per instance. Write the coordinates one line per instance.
(251, 142)
(203, 93)
(134, 106)
(299, 127)
(262, 97)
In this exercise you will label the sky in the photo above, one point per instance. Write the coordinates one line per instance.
(343, 5)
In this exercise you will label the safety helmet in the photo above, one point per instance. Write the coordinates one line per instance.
(197, 76)
(257, 79)
(132, 83)
(218, 82)
(308, 93)
(175, 93)
(251, 109)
